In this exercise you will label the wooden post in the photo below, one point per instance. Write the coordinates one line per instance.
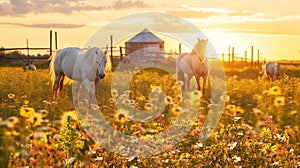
(258, 57)
(50, 42)
(251, 56)
(246, 57)
(55, 40)
(232, 54)
(229, 53)
(179, 48)
(111, 48)
(121, 54)
(223, 56)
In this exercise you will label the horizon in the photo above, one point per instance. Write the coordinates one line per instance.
(266, 25)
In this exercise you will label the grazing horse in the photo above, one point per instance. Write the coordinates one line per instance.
(29, 67)
(192, 64)
(79, 66)
(271, 70)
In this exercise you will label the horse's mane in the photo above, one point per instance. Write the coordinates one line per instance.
(199, 47)
(89, 54)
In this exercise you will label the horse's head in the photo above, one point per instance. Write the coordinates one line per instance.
(200, 48)
(101, 62)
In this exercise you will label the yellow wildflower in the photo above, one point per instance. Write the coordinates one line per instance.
(266, 149)
(156, 89)
(257, 112)
(36, 119)
(280, 149)
(148, 106)
(114, 93)
(265, 132)
(15, 133)
(238, 111)
(175, 111)
(234, 110)
(26, 101)
(275, 90)
(227, 98)
(65, 115)
(11, 96)
(121, 115)
(26, 111)
(11, 133)
(169, 100)
(279, 101)
(257, 97)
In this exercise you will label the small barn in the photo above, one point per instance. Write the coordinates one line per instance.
(147, 43)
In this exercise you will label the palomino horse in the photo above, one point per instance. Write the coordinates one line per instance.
(192, 64)
(271, 70)
(79, 66)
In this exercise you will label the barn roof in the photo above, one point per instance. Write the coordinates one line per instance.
(145, 36)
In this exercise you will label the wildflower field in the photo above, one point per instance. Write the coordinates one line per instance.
(259, 126)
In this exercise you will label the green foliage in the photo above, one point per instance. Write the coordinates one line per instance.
(69, 139)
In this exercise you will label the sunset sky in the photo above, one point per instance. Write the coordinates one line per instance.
(273, 26)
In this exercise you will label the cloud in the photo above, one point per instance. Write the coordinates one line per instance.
(22, 7)
(121, 4)
(47, 25)
(205, 13)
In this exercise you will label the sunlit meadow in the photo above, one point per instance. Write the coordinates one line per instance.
(259, 125)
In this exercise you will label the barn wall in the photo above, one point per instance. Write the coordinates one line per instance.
(131, 47)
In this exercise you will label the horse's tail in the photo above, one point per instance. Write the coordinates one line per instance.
(51, 67)
(61, 82)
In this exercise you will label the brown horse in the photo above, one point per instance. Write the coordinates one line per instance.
(192, 64)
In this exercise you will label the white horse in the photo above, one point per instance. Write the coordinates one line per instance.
(271, 70)
(79, 66)
(29, 67)
(192, 64)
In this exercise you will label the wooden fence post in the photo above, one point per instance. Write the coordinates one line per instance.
(258, 57)
(246, 57)
(232, 54)
(229, 53)
(179, 48)
(111, 48)
(50, 42)
(251, 56)
(223, 57)
(121, 53)
(55, 40)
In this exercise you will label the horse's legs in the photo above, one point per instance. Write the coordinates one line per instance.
(56, 84)
(187, 82)
(89, 88)
(198, 82)
(97, 84)
(61, 81)
(204, 82)
(76, 92)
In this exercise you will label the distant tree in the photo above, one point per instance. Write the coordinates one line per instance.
(2, 52)
(15, 53)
